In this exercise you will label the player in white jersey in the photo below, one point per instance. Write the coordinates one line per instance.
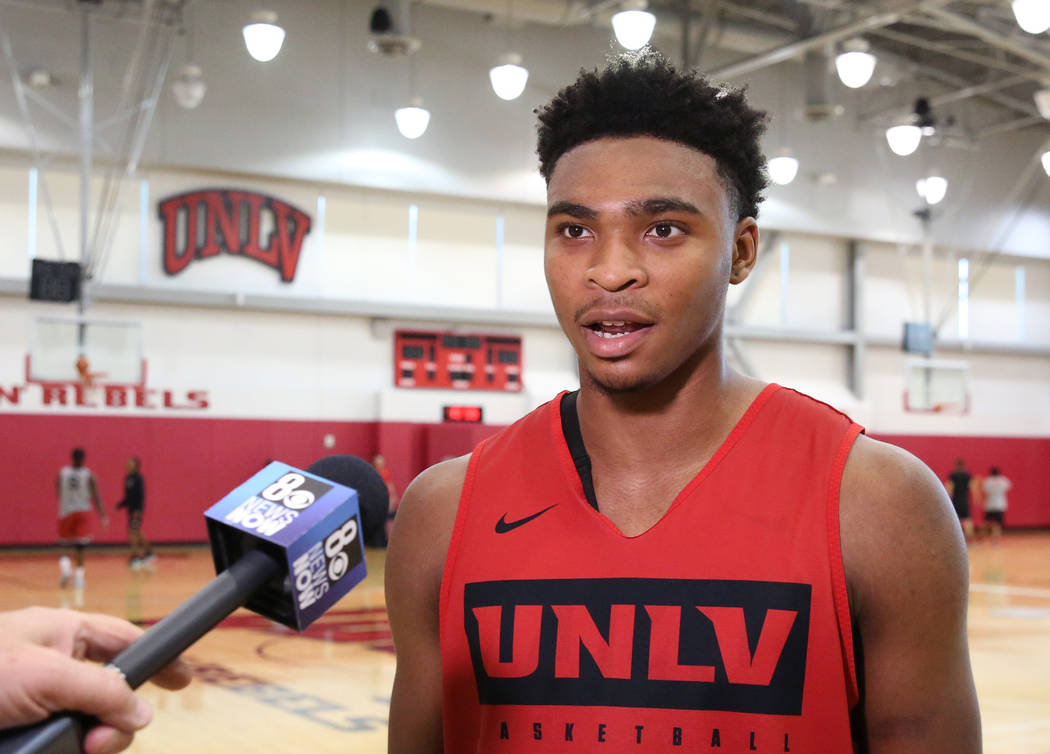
(77, 492)
(995, 487)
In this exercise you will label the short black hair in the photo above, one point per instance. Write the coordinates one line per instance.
(642, 94)
(78, 456)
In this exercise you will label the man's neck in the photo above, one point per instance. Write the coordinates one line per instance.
(672, 422)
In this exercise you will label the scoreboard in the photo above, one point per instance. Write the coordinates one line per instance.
(454, 360)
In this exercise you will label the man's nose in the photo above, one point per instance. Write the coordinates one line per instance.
(616, 265)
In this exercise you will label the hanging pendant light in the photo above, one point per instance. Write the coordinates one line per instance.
(634, 25)
(932, 189)
(263, 37)
(1032, 15)
(855, 64)
(413, 119)
(508, 77)
(903, 139)
(188, 86)
(783, 168)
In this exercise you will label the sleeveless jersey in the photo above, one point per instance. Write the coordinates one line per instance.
(725, 626)
(74, 493)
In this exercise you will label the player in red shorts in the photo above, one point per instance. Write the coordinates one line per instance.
(77, 492)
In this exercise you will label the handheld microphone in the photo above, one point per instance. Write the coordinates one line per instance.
(287, 544)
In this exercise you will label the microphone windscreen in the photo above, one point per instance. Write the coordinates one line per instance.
(373, 498)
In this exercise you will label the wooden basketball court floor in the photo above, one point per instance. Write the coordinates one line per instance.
(264, 689)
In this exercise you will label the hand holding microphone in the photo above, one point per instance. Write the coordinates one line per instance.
(286, 544)
(41, 669)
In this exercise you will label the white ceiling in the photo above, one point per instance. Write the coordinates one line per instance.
(323, 109)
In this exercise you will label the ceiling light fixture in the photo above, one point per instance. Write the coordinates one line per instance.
(1032, 15)
(1042, 101)
(1046, 161)
(413, 119)
(263, 37)
(783, 168)
(932, 189)
(508, 77)
(855, 64)
(188, 86)
(903, 139)
(634, 25)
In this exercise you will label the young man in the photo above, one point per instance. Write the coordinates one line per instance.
(135, 501)
(677, 557)
(77, 492)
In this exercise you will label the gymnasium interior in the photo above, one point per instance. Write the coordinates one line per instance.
(215, 260)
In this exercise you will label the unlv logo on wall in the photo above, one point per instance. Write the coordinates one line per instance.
(202, 224)
(736, 646)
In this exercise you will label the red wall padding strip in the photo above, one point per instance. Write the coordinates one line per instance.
(188, 464)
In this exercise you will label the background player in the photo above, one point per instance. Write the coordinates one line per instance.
(960, 485)
(653, 181)
(77, 492)
(995, 487)
(135, 501)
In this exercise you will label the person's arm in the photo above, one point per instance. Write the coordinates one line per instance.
(907, 573)
(97, 500)
(414, 565)
(42, 670)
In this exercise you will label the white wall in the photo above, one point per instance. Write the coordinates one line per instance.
(471, 255)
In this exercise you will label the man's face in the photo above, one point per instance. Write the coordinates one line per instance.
(641, 243)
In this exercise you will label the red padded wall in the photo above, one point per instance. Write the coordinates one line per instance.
(190, 463)
(1023, 459)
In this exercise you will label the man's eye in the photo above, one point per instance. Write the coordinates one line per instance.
(666, 230)
(574, 231)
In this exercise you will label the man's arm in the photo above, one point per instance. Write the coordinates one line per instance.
(414, 565)
(907, 573)
(42, 671)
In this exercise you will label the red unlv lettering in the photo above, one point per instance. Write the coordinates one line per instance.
(203, 224)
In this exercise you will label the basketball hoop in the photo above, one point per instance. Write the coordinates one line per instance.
(87, 377)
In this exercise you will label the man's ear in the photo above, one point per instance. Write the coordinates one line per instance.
(745, 250)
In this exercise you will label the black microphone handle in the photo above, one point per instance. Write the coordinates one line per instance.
(198, 615)
(159, 646)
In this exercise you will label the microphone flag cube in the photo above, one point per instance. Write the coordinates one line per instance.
(308, 523)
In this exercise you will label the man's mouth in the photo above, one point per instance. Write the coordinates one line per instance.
(614, 329)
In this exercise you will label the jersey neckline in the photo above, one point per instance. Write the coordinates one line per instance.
(576, 483)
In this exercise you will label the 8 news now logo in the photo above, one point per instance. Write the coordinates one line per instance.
(325, 563)
(295, 491)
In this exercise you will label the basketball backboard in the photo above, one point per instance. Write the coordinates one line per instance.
(936, 386)
(64, 349)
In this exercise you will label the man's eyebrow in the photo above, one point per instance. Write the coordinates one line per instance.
(660, 205)
(571, 209)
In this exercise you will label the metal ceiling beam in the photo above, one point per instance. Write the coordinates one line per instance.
(791, 49)
(994, 38)
(1023, 107)
(1012, 125)
(950, 50)
(947, 97)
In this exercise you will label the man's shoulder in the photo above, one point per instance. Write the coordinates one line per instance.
(884, 480)
(894, 514)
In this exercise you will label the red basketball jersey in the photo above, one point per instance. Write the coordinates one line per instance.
(723, 627)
